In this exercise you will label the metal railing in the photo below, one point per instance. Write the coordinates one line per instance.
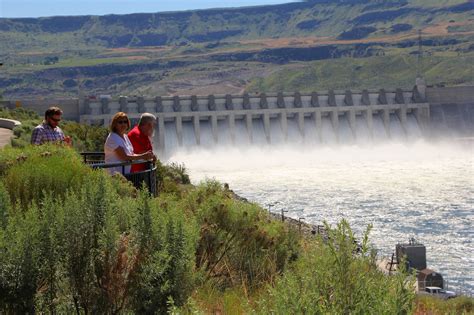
(147, 177)
(93, 157)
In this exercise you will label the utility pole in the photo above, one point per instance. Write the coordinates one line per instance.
(1, 94)
(419, 55)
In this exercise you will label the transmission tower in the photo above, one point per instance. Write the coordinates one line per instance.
(419, 55)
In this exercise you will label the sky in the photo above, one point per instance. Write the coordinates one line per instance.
(38, 8)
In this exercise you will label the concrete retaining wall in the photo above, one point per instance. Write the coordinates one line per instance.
(450, 95)
(9, 123)
(69, 106)
(452, 110)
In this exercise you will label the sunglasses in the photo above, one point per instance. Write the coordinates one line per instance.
(122, 122)
(54, 119)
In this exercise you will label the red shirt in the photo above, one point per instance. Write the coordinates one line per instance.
(141, 144)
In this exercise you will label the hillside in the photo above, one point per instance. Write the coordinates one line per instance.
(227, 50)
(347, 19)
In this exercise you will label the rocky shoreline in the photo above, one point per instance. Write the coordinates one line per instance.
(306, 229)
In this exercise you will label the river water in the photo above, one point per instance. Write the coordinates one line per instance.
(415, 189)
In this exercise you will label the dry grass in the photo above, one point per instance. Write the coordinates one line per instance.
(426, 305)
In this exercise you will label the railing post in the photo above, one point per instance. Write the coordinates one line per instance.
(149, 176)
(283, 215)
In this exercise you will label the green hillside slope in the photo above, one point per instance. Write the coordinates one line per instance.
(314, 44)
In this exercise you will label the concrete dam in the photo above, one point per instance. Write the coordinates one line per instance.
(318, 118)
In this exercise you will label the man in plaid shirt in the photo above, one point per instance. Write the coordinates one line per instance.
(49, 131)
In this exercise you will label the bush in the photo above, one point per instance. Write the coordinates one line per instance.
(20, 114)
(19, 268)
(167, 175)
(38, 170)
(238, 243)
(4, 206)
(167, 239)
(85, 137)
(91, 248)
(331, 279)
(435, 306)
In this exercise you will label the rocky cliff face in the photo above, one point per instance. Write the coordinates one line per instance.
(350, 19)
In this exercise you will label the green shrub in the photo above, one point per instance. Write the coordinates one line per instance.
(38, 170)
(170, 177)
(10, 157)
(100, 255)
(238, 243)
(4, 206)
(22, 133)
(85, 137)
(91, 248)
(167, 239)
(20, 114)
(330, 278)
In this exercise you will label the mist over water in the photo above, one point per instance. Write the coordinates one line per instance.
(403, 185)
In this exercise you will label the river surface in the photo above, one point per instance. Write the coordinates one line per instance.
(419, 190)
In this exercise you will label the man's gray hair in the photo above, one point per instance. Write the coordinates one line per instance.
(146, 118)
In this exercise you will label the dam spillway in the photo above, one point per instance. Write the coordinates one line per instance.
(312, 119)
(263, 119)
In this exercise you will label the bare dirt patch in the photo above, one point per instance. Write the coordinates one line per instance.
(32, 53)
(126, 50)
(136, 57)
(434, 30)
(442, 28)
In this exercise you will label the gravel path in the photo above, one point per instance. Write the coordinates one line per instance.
(5, 135)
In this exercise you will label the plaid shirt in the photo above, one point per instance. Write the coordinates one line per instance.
(44, 133)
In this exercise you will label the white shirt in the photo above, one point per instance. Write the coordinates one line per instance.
(111, 144)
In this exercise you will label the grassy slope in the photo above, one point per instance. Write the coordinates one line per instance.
(374, 72)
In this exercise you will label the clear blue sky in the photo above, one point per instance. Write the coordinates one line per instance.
(37, 8)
